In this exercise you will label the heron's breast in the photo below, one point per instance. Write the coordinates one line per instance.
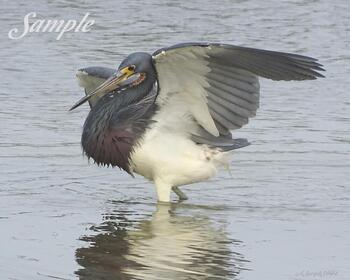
(109, 146)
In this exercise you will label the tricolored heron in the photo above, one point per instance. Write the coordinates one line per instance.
(168, 116)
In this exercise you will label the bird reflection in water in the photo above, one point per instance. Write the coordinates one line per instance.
(168, 246)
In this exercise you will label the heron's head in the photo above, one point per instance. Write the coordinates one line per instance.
(135, 76)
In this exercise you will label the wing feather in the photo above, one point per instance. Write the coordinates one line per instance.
(92, 77)
(219, 83)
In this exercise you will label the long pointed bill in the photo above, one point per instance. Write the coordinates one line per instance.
(113, 83)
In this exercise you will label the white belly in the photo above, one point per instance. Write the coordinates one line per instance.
(173, 158)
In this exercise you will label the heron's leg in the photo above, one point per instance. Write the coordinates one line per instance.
(163, 190)
(179, 193)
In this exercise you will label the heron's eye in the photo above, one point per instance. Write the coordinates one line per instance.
(131, 68)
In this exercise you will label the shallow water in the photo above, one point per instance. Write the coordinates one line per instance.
(283, 210)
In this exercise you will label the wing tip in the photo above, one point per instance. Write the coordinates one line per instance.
(81, 72)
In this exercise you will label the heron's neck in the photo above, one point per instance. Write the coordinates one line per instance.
(135, 94)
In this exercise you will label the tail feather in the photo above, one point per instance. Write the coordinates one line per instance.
(224, 143)
(237, 144)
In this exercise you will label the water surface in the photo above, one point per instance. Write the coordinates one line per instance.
(282, 212)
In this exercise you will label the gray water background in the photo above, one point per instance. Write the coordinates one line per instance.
(282, 212)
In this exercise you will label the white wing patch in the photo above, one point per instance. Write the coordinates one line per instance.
(184, 73)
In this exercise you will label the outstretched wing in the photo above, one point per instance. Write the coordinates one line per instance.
(219, 83)
(92, 77)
